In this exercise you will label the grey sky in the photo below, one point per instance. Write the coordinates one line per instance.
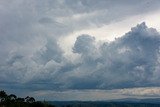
(61, 45)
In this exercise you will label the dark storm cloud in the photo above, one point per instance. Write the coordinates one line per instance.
(84, 44)
(129, 61)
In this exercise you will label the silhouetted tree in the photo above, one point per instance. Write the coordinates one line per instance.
(12, 97)
(29, 99)
(3, 96)
(12, 101)
(20, 99)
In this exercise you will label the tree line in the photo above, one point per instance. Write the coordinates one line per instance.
(12, 100)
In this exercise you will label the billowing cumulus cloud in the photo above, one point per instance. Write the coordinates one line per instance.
(84, 44)
(130, 61)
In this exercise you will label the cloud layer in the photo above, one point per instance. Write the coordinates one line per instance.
(32, 59)
(130, 61)
(100, 95)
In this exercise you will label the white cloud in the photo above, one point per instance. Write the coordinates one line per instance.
(141, 92)
(100, 95)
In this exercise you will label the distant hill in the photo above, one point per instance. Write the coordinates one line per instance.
(114, 103)
(134, 100)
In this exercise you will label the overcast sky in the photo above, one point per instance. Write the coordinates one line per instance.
(80, 49)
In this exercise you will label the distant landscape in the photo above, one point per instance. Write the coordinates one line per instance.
(112, 103)
(11, 100)
(102, 104)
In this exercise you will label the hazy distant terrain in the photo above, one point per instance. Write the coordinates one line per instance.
(103, 104)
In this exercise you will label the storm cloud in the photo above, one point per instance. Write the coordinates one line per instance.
(130, 61)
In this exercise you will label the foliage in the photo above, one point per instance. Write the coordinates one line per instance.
(14, 101)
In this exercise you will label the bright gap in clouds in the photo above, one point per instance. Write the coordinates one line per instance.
(110, 31)
(98, 95)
